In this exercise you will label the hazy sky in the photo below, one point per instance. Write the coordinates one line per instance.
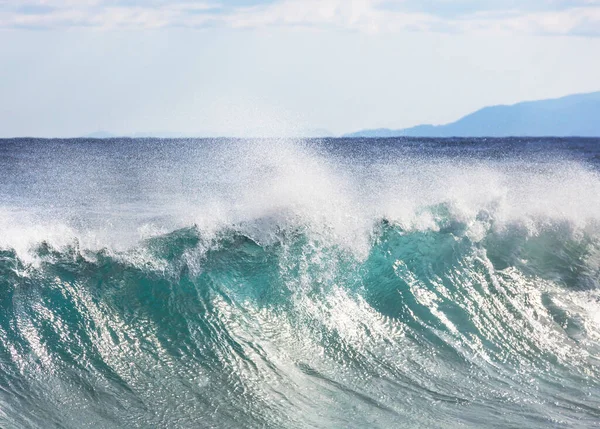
(249, 67)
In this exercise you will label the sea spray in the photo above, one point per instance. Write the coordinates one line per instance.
(342, 283)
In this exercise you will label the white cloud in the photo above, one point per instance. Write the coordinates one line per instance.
(362, 15)
(370, 16)
(577, 17)
(103, 13)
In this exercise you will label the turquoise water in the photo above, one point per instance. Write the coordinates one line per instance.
(299, 284)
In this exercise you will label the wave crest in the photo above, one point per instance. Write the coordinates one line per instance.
(165, 332)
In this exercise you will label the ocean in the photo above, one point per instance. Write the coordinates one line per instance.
(280, 283)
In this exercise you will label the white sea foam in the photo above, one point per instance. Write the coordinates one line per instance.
(262, 186)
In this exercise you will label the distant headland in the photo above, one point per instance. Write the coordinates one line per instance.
(573, 115)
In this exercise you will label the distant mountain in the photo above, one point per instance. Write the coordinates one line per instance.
(100, 135)
(573, 115)
(304, 133)
(315, 133)
(158, 134)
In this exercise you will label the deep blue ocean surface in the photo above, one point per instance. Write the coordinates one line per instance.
(339, 283)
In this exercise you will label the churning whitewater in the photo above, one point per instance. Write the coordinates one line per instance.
(299, 284)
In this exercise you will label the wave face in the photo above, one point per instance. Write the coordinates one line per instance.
(342, 283)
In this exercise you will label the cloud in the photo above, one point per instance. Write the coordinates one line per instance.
(579, 21)
(558, 17)
(104, 13)
(581, 18)
(361, 15)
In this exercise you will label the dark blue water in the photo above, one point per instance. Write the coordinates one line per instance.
(300, 284)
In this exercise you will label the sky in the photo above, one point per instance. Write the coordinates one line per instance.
(283, 67)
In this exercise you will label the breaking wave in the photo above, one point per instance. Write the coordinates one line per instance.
(292, 286)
